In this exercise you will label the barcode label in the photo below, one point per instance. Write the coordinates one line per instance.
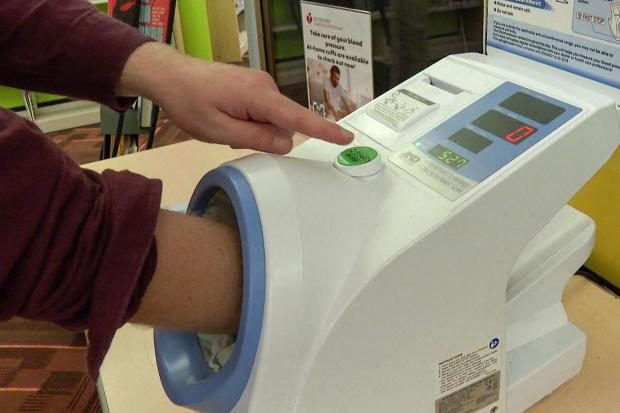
(471, 398)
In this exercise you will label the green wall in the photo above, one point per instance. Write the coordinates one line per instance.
(10, 98)
(287, 44)
(195, 25)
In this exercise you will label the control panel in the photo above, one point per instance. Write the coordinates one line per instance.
(473, 144)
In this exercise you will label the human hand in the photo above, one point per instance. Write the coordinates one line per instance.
(222, 103)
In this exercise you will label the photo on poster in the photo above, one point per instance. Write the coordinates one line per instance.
(332, 92)
(338, 55)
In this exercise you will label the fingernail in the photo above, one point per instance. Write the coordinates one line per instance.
(281, 145)
(348, 135)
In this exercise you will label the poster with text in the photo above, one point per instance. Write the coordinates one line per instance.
(154, 19)
(338, 51)
(579, 36)
(127, 11)
(150, 16)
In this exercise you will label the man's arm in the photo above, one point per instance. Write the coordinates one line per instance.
(330, 106)
(197, 285)
(65, 47)
(68, 47)
(78, 248)
(222, 103)
(347, 103)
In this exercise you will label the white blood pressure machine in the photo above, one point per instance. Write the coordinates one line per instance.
(420, 269)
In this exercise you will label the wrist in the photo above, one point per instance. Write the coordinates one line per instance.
(149, 70)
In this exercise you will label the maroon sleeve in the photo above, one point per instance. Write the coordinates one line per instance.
(76, 248)
(65, 47)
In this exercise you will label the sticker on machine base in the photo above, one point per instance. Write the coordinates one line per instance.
(467, 382)
(471, 398)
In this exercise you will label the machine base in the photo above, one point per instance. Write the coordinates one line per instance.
(543, 348)
(537, 368)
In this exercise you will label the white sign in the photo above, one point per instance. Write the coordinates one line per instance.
(579, 36)
(400, 107)
(338, 51)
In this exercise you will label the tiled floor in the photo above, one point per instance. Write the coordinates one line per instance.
(84, 144)
(43, 369)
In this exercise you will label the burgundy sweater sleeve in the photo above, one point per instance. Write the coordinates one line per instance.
(65, 47)
(76, 248)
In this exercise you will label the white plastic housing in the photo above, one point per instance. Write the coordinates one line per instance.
(372, 282)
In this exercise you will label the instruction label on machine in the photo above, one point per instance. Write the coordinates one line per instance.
(468, 382)
(472, 398)
(579, 36)
(399, 108)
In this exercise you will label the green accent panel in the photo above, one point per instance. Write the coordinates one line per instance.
(10, 98)
(103, 7)
(195, 24)
(357, 155)
(440, 24)
(289, 45)
(281, 12)
(46, 97)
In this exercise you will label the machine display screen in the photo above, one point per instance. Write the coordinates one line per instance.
(504, 126)
(532, 108)
(448, 157)
(482, 138)
(470, 140)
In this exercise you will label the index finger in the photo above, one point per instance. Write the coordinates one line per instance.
(279, 110)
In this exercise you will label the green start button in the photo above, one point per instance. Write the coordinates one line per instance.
(359, 162)
(357, 155)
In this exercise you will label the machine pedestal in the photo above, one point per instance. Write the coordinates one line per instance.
(544, 348)
(537, 368)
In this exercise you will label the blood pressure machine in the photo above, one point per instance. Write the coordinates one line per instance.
(420, 269)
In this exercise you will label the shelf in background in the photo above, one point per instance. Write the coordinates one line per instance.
(67, 115)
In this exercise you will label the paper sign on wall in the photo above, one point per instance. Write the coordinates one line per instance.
(580, 36)
(337, 44)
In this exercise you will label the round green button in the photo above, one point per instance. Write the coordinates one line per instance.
(357, 155)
